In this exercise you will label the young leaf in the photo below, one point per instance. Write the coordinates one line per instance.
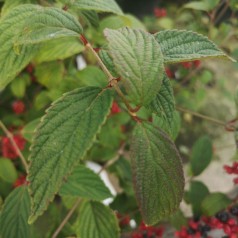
(8, 171)
(139, 62)
(14, 60)
(14, 215)
(214, 203)
(84, 183)
(58, 49)
(198, 191)
(96, 5)
(201, 155)
(180, 45)
(65, 134)
(49, 23)
(157, 171)
(98, 221)
(163, 104)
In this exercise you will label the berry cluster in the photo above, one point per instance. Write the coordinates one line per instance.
(200, 228)
(148, 232)
(8, 150)
(160, 12)
(232, 170)
(193, 64)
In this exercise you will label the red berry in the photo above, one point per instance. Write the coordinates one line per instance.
(8, 149)
(20, 181)
(228, 169)
(196, 63)
(235, 180)
(160, 12)
(30, 68)
(115, 108)
(169, 73)
(18, 107)
(187, 65)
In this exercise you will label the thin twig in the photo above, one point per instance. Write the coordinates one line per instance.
(10, 136)
(72, 210)
(213, 120)
(221, 13)
(70, 213)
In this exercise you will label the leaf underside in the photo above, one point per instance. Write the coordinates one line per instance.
(65, 134)
(157, 171)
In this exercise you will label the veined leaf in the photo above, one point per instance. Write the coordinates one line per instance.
(157, 171)
(171, 127)
(107, 60)
(180, 45)
(98, 221)
(84, 183)
(96, 5)
(14, 215)
(163, 104)
(13, 59)
(65, 134)
(49, 23)
(138, 60)
(58, 49)
(201, 155)
(90, 17)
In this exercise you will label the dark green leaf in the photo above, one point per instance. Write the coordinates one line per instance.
(201, 155)
(157, 171)
(65, 134)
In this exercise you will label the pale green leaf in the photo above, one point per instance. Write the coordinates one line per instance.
(214, 203)
(29, 129)
(18, 86)
(90, 17)
(138, 60)
(98, 221)
(58, 49)
(163, 104)
(84, 183)
(13, 59)
(201, 155)
(63, 137)
(8, 171)
(14, 215)
(157, 171)
(49, 23)
(96, 5)
(107, 60)
(198, 5)
(50, 74)
(180, 45)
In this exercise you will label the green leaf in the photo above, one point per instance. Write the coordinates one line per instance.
(197, 192)
(214, 203)
(29, 129)
(163, 104)
(179, 45)
(96, 5)
(7, 170)
(49, 23)
(14, 60)
(157, 171)
(50, 74)
(90, 17)
(236, 100)
(201, 155)
(107, 60)
(139, 62)
(178, 220)
(14, 215)
(65, 134)
(84, 183)
(58, 49)
(18, 86)
(171, 127)
(98, 221)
